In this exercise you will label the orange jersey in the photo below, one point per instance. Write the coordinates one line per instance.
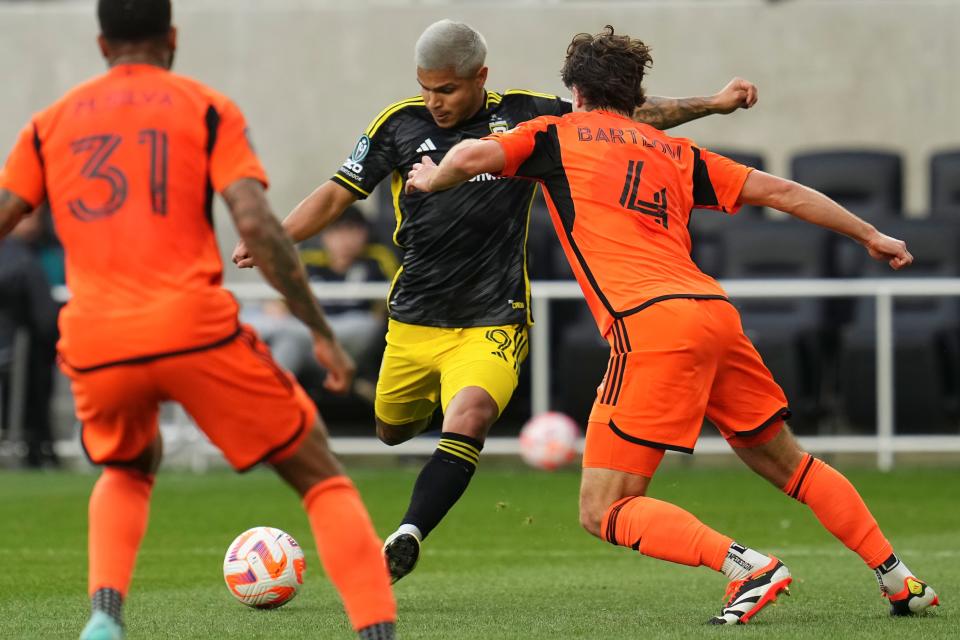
(129, 162)
(620, 195)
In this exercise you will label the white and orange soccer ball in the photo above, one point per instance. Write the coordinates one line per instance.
(264, 568)
(549, 440)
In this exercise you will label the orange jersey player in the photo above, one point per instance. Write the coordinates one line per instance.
(620, 195)
(129, 162)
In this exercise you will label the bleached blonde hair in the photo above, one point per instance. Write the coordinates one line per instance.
(447, 44)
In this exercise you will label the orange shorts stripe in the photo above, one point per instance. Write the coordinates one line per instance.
(245, 403)
(686, 359)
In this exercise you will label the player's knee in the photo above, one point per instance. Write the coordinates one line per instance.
(392, 435)
(474, 421)
(591, 516)
(312, 462)
(148, 462)
(590, 521)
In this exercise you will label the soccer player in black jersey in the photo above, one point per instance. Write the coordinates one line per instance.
(460, 304)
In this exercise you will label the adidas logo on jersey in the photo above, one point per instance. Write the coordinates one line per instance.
(426, 145)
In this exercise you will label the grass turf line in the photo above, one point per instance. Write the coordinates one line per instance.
(509, 562)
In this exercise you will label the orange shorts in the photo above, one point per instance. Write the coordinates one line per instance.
(250, 408)
(671, 364)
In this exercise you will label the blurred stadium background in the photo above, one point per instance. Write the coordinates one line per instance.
(857, 98)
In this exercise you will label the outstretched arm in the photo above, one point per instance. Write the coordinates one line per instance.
(273, 252)
(812, 206)
(664, 113)
(12, 209)
(307, 219)
(464, 161)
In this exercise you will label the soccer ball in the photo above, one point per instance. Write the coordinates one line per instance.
(549, 440)
(264, 568)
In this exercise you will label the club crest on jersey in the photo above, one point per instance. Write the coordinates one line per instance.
(499, 125)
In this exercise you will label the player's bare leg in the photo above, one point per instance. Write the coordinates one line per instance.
(841, 510)
(444, 478)
(614, 507)
(119, 509)
(348, 545)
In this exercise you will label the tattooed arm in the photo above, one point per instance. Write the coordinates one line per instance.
(273, 252)
(664, 113)
(12, 209)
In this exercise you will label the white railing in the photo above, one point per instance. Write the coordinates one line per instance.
(885, 443)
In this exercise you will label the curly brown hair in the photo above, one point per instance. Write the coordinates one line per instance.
(607, 69)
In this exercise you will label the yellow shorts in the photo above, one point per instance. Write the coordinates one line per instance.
(423, 366)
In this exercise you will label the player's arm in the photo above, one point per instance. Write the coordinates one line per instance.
(664, 113)
(12, 209)
(273, 252)
(307, 219)
(317, 210)
(464, 161)
(812, 206)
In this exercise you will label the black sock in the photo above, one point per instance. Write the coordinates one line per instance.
(442, 480)
(379, 631)
(110, 602)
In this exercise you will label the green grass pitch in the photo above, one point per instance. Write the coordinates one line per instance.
(510, 562)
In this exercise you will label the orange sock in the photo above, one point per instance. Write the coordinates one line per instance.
(665, 531)
(119, 509)
(839, 508)
(350, 551)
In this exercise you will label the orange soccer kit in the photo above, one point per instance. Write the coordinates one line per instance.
(129, 163)
(620, 194)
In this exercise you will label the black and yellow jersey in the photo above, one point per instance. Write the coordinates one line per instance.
(464, 250)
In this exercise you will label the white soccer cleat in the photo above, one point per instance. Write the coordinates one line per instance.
(745, 598)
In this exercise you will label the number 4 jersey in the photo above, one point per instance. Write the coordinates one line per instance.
(620, 195)
(129, 162)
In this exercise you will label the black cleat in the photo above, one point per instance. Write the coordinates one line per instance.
(402, 550)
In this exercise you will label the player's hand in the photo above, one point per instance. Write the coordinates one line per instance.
(338, 363)
(891, 250)
(738, 94)
(419, 177)
(241, 257)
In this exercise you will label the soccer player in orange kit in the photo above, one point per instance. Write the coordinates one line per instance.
(129, 162)
(620, 194)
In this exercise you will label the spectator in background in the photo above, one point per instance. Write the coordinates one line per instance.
(26, 304)
(344, 254)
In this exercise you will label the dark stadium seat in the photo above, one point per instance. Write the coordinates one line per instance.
(926, 346)
(869, 183)
(789, 333)
(945, 183)
(708, 228)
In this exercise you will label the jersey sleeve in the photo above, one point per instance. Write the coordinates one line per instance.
(232, 156)
(527, 153)
(23, 173)
(372, 159)
(717, 181)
